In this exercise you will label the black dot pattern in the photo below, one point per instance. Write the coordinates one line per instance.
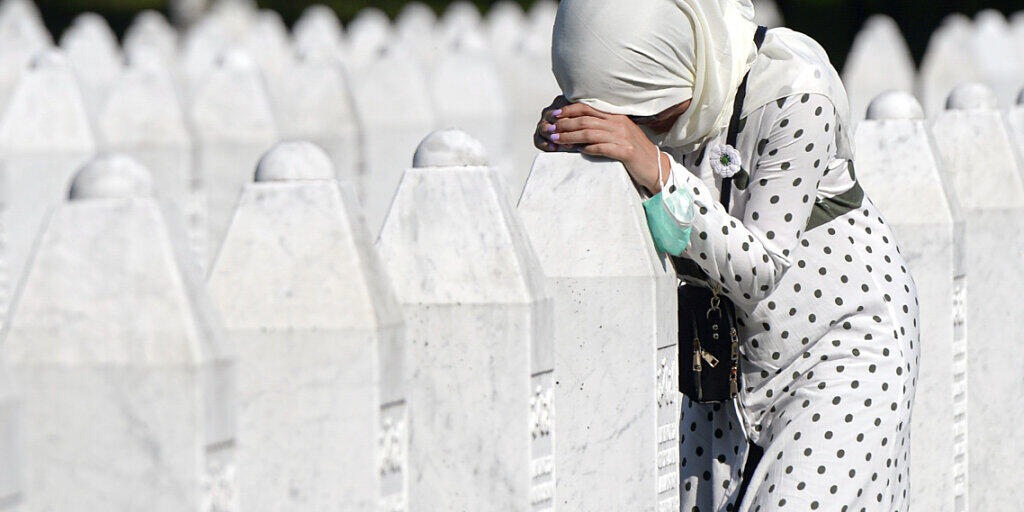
(829, 328)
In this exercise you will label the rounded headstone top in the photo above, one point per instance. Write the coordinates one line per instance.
(895, 105)
(449, 148)
(111, 176)
(295, 161)
(971, 96)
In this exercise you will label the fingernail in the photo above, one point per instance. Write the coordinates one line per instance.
(557, 113)
(552, 128)
(554, 136)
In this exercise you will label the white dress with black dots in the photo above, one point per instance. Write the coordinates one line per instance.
(829, 326)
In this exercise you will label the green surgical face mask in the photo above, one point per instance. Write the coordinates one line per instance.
(670, 217)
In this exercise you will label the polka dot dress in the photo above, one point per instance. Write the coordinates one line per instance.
(829, 324)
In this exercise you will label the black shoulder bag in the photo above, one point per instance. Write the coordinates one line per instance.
(709, 356)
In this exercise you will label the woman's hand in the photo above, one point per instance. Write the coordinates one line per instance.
(612, 136)
(548, 116)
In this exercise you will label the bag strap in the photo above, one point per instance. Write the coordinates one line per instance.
(737, 113)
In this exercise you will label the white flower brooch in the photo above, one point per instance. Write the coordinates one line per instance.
(725, 160)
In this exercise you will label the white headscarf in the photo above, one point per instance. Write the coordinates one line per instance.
(643, 56)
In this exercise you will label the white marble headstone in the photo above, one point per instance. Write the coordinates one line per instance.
(318, 34)
(320, 341)
(44, 137)
(997, 55)
(879, 61)
(268, 42)
(10, 445)
(468, 94)
(369, 34)
(615, 336)
(143, 118)
(977, 154)
(460, 17)
(119, 359)
(22, 36)
(900, 170)
(151, 29)
(505, 27)
(1015, 116)
(234, 125)
(414, 27)
(316, 104)
(480, 336)
(395, 113)
(94, 54)
(947, 62)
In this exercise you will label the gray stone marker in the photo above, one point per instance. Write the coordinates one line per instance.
(10, 445)
(316, 105)
(320, 342)
(394, 113)
(479, 321)
(119, 359)
(92, 50)
(22, 36)
(234, 125)
(44, 137)
(900, 170)
(977, 155)
(615, 336)
(879, 61)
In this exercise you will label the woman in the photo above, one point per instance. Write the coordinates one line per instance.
(827, 306)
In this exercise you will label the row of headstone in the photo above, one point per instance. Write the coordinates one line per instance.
(315, 370)
(988, 49)
(953, 188)
(237, 78)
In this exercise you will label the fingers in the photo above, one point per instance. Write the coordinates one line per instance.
(584, 137)
(580, 109)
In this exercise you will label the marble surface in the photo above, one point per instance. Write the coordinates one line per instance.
(615, 336)
(1015, 117)
(320, 344)
(395, 114)
(234, 125)
(900, 171)
(468, 93)
(479, 360)
(948, 61)
(95, 55)
(150, 31)
(976, 154)
(121, 366)
(44, 137)
(10, 445)
(318, 34)
(879, 61)
(316, 105)
(22, 36)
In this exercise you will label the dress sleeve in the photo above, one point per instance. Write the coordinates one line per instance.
(749, 256)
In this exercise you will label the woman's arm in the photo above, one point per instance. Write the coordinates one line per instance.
(749, 256)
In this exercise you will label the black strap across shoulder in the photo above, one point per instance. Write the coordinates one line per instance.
(737, 113)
